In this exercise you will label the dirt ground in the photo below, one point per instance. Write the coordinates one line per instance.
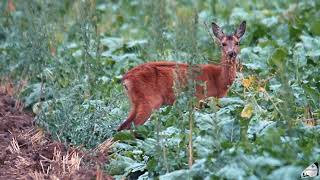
(27, 152)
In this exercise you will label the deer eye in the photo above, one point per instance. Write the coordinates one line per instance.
(224, 44)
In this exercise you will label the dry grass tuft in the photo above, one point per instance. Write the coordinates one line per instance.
(66, 164)
(7, 87)
(34, 135)
(99, 174)
(19, 105)
(37, 175)
(38, 137)
(105, 146)
(72, 162)
(14, 146)
(23, 162)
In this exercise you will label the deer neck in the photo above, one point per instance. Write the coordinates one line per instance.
(228, 72)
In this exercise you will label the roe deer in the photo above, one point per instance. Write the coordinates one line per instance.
(150, 85)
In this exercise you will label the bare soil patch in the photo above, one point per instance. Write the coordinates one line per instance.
(27, 152)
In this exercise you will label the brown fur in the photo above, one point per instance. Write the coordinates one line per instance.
(150, 85)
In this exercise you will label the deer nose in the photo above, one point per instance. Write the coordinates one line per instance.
(231, 54)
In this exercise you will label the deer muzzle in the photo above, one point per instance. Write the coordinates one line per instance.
(232, 54)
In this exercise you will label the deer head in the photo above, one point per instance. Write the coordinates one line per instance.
(229, 43)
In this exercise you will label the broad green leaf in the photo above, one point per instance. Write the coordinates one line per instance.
(33, 92)
(299, 55)
(259, 127)
(255, 161)
(312, 45)
(247, 111)
(232, 171)
(133, 167)
(203, 121)
(313, 93)
(230, 100)
(118, 166)
(112, 43)
(286, 172)
(315, 27)
(124, 135)
(176, 175)
(136, 43)
(270, 21)
(278, 58)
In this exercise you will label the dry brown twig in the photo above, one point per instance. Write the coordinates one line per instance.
(99, 174)
(14, 146)
(38, 137)
(105, 146)
(37, 175)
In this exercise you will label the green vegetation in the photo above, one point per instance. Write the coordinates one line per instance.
(73, 53)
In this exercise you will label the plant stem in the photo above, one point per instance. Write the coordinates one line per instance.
(190, 161)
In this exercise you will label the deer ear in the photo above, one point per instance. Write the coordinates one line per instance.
(217, 31)
(241, 30)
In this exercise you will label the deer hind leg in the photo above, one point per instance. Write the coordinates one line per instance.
(127, 123)
(141, 106)
(137, 116)
(145, 109)
(143, 113)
